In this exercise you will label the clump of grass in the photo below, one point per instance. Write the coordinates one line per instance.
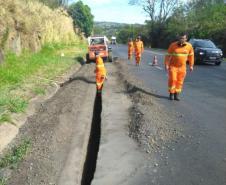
(4, 38)
(39, 91)
(17, 105)
(5, 118)
(13, 104)
(2, 181)
(16, 155)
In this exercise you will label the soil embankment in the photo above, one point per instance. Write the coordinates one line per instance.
(59, 133)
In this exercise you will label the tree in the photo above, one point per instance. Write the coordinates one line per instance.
(97, 30)
(82, 17)
(157, 10)
(200, 18)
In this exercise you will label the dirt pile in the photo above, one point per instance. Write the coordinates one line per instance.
(150, 125)
(29, 25)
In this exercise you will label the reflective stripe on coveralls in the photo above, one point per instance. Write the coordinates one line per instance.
(179, 54)
(176, 60)
(100, 65)
(100, 73)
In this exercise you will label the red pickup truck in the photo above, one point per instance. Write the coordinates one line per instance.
(100, 44)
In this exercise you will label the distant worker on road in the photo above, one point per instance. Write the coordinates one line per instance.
(101, 73)
(139, 49)
(130, 49)
(175, 63)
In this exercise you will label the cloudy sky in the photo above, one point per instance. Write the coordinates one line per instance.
(115, 11)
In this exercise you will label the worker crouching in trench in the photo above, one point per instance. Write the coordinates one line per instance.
(101, 73)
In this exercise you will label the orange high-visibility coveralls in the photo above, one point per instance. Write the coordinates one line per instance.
(100, 73)
(130, 49)
(176, 60)
(139, 49)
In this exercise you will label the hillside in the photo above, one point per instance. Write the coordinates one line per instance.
(30, 25)
(109, 28)
(38, 48)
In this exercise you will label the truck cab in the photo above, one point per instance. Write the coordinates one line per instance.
(113, 40)
(100, 44)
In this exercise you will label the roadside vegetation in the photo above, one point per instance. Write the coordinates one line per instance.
(2, 181)
(82, 17)
(13, 157)
(16, 154)
(38, 43)
(26, 76)
(200, 19)
(30, 25)
(53, 3)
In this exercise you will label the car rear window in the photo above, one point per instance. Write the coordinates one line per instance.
(95, 41)
(204, 44)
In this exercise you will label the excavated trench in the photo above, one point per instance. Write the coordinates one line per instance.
(94, 142)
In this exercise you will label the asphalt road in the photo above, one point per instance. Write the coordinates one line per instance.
(202, 160)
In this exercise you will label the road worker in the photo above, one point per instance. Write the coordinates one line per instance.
(101, 73)
(139, 49)
(130, 49)
(179, 53)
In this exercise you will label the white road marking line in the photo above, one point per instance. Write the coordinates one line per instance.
(156, 53)
(160, 68)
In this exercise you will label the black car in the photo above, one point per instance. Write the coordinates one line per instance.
(206, 51)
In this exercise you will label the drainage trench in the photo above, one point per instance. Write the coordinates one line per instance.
(94, 142)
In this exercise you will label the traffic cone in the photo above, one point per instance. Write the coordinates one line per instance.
(155, 61)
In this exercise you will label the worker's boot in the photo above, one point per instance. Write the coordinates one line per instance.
(176, 97)
(171, 96)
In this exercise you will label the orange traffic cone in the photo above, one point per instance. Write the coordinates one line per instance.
(155, 61)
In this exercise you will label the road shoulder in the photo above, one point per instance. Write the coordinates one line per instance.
(119, 156)
(9, 131)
